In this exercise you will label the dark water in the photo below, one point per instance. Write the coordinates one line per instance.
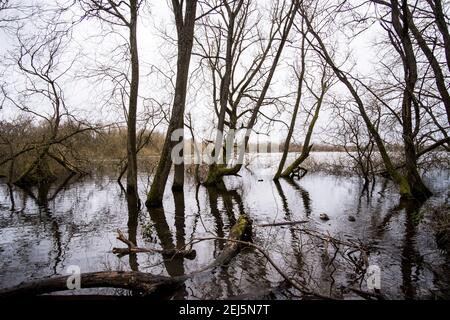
(44, 231)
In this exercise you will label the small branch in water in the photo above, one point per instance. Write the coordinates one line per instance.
(297, 286)
(366, 295)
(132, 248)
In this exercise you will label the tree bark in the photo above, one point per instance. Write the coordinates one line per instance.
(132, 108)
(296, 107)
(442, 26)
(417, 187)
(241, 231)
(185, 31)
(131, 280)
(215, 176)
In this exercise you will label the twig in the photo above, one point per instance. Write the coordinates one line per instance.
(132, 248)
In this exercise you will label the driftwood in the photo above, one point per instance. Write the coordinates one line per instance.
(286, 223)
(132, 248)
(145, 283)
(240, 231)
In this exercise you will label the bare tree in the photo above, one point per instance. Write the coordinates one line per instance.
(418, 188)
(283, 23)
(326, 82)
(124, 14)
(39, 60)
(185, 16)
(407, 189)
(300, 80)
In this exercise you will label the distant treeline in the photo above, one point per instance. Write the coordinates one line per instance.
(75, 147)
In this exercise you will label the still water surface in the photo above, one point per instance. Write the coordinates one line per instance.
(43, 231)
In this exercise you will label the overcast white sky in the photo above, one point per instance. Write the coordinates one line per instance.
(86, 97)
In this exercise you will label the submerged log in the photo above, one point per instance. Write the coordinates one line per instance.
(167, 254)
(241, 231)
(145, 283)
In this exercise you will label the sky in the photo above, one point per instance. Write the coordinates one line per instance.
(95, 44)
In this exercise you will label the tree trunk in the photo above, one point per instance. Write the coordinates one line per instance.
(215, 176)
(442, 26)
(295, 111)
(241, 231)
(438, 75)
(418, 188)
(224, 91)
(146, 283)
(185, 31)
(405, 189)
(132, 108)
(307, 146)
(131, 280)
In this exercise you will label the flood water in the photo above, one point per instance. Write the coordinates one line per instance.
(44, 231)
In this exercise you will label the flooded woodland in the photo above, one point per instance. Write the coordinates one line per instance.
(225, 149)
(44, 230)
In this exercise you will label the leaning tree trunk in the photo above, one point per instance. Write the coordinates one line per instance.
(438, 74)
(306, 143)
(442, 24)
(400, 179)
(295, 112)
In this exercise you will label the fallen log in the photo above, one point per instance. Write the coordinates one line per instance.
(167, 254)
(145, 283)
(286, 223)
(241, 231)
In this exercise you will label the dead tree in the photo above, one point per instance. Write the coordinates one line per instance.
(145, 283)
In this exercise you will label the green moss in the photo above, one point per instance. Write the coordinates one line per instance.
(240, 227)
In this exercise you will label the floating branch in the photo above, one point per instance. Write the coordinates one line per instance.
(132, 248)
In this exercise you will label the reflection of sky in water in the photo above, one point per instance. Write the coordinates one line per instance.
(78, 226)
